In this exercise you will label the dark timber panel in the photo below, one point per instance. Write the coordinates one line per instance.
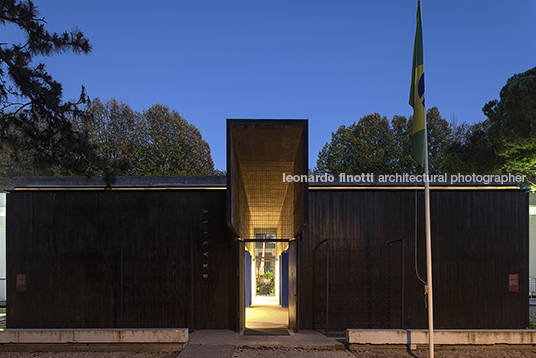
(240, 305)
(76, 246)
(357, 284)
(479, 237)
(293, 300)
(69, 263)
(69, 244)
(482, 237)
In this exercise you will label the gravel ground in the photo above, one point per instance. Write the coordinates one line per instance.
(85, 355)
(283, 352)
(495, 352)
(459, 352)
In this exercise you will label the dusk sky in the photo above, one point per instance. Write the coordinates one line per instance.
(330, 62)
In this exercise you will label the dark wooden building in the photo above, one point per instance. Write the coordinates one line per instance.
(171, 251)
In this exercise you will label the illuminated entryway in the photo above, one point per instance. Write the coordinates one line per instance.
(266, 213)
(266, 282)
(265, 275)
(266, 309)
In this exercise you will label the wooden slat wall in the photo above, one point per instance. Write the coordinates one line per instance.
(293, 299)
(68, 243)
(479, 238)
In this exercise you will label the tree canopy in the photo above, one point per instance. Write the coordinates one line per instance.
(33, 117)
(157, 141)
(376, 145)
(361, 147)
(506, 141)
(171, 146)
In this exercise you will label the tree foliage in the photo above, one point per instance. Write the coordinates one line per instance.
(376, 145)
(471, 151)
(361, 147)
(111, 131)
(156, 141)
(171, 146)
(513, 124)
(40, 134)
(506, 141)
(35, 127)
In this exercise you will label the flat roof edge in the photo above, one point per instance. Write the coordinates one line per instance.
(417, 187)
(266, 121)
(145, 182)
(220, 182)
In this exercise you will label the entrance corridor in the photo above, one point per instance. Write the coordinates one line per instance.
(266, 313)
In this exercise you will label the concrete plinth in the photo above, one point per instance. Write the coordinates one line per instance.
(413, 338)
(94, 339)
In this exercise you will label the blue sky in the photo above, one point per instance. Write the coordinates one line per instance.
(330, 62)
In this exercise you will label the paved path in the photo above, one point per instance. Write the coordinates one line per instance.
(304, 339)
(222, 343)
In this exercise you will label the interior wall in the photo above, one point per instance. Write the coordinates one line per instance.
(265, 199)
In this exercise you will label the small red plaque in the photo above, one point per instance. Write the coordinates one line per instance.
(513, 283)
(21, 282)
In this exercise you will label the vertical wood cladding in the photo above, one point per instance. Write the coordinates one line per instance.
(293, 284)
(68, 243)
(479, 237)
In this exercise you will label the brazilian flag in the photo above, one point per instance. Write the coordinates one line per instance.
(416, 96)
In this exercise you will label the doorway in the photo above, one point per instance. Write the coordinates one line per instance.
(266, 286)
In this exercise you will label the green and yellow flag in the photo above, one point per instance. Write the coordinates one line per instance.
(416, 96)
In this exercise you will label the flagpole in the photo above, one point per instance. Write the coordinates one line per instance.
(429, 291)
(428, 229)
(419, 152)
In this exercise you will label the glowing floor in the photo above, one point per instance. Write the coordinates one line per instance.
(265, 312)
